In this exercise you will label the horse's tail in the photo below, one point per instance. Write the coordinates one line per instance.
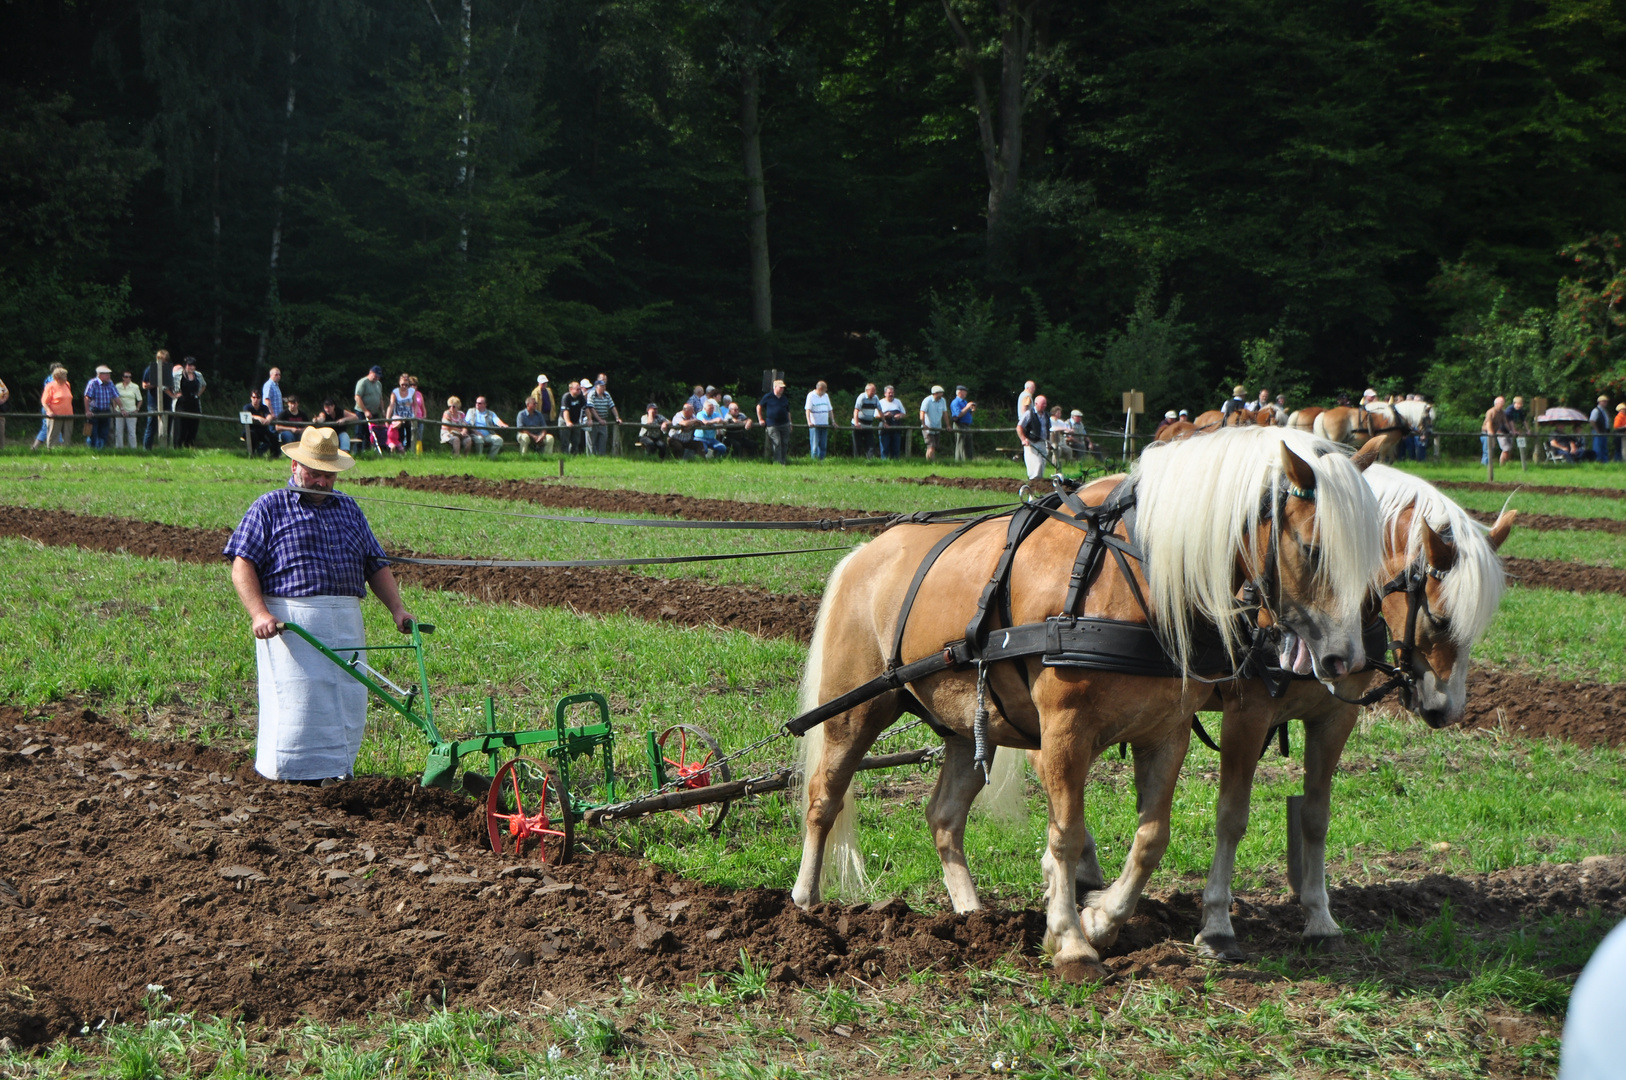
(843, 857)
(1005, 797)
(1319, 426)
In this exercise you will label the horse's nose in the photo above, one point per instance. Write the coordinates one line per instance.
(1337, 665)
(1435, 718)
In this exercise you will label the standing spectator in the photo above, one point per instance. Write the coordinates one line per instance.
(406, 405)
(531, 429)
(483, 425)
(189, 387)
(57, 402)
(570, 414)
(452, 431)
(818, 410)
(1620, 431)
(866, 421)
(1060, 429)
(1259, 402)
(652, 435)
(5, 407)
(1024, 400)
(1078, 436)
(340, 420)
(773, 413)
(711, 396)
(155, 388)
(271, 391)
(128, 404)
(698, 398)
(933, 418)
(1235, 408)
(290, 421)
(1494, 427)
(1600, 429)
(963, 411)
(603, 407)
(893, 418)
(1034, 431)
(45, 415)
(1518, 423)
(261, 432)
(100, 397)
(545, 404)
(370, 399)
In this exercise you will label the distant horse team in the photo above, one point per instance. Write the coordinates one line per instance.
(1380, 426)
(1260, 559)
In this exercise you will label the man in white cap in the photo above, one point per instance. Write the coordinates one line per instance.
(100, 397)
(1369, 400)
(933, 418)
(305, 554)
(543, 396)
(1170, 417)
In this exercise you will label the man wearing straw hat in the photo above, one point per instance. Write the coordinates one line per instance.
(306, 554)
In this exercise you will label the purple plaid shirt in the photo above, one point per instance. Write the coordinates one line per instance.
(102, 394)
(300, 550)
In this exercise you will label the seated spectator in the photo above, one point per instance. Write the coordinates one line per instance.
(530, 428)
(712, 398)
(1567, 446)
(734, 418)
(452, 431)
(261, 433)
(483, 425)
(652, 433)
(336, 418)
(683, 433)
(290, 421)
(707, 433)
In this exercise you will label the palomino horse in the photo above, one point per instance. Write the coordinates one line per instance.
(1213, 419)
(1445, 582)
(1304, 419)
(1263, 505)
(1357, 425)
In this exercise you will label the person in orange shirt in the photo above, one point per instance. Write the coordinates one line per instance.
(1620, 432)
(57, 401)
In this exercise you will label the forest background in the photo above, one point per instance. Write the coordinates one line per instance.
(1171, 194)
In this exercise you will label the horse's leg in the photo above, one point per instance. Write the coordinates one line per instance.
(1324, 739)
(1157, 768)
(846, 739)
(958, 782)
(1066, 767)
(1087, 876)
(1241, 734)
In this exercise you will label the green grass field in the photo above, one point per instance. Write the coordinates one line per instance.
(164, 646)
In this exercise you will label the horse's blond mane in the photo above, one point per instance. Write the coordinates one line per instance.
(1473, 589)
(1199, 501)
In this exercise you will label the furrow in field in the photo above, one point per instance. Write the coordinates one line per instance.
(1584, 713)
(616, 501)
(1529, 489)
(604, 591)
(1565, 576)
(1554, 522)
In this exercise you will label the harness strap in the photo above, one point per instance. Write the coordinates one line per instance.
(1022, 523)
(891, 679)
(920, 576)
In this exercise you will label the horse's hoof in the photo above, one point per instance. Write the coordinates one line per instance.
(1220, 947)
(1101, 932)
(1082, 971)
(1324, 942)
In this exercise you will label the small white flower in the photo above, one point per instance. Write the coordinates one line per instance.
(554, 1053)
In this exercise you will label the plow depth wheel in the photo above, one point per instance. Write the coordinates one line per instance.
(526, 808)
(689, 752)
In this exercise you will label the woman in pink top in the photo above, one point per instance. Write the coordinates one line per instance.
(57, 401)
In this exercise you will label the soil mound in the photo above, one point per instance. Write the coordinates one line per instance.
(616, 501)
(1534, 489)
(133, 863)
(1553, 522)
(604, 591)
(1568, 576)
(1588, 714)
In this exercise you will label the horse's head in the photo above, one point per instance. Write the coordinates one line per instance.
(1444, 585)
(1316, 562)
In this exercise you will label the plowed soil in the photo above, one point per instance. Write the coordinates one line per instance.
(1572, 577)
(968, 483)
(1534, 489)
(613, 500)
(1554, 522)
(134, 863)
(1588, 714)
(603, 591)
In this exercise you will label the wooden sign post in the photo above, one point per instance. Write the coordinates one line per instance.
(1134, 404)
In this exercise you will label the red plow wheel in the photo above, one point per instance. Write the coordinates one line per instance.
(526, 806)
(689, 753)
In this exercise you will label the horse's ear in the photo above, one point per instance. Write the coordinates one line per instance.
(1297, 469)
(1442, 553)
(1499, 531)
(1367, 457)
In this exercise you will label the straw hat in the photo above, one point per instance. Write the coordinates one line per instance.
(318, 449)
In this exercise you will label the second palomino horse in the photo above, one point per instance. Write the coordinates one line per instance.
(1285, 514)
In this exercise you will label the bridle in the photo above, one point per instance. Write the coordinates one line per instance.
(1413, 581)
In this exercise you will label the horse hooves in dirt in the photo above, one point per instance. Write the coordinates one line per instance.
(1324, 943)
(1083, 971)
(1220, 948)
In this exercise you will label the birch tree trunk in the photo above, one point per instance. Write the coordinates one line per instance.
(278, 197)
(214, 255)
(756, 200)
(465, 121)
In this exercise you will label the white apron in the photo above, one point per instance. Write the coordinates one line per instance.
(312, 712)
